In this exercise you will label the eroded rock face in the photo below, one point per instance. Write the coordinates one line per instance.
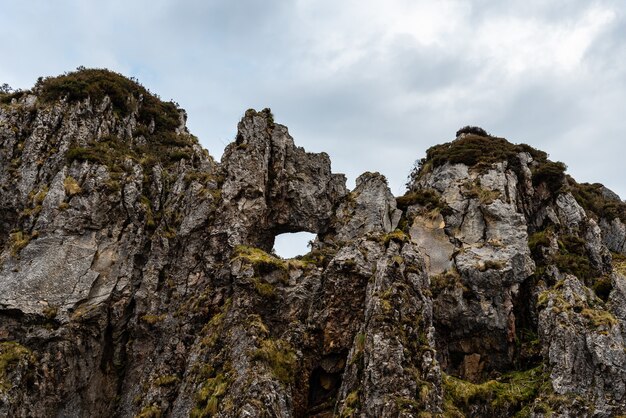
(271, 186)
(584, 347)
(136, 278)
(486, 242)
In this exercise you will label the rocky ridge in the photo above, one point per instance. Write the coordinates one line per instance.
(136, 274)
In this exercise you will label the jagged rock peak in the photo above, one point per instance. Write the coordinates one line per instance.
(137, 279)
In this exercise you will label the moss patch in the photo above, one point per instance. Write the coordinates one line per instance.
(350, 405)
(264, 289)
(397, 236)
(167, 380)
(473, 190)
(280, 356)
(152, 411)
(208, 397)
(319, 257)
(599, 318)
(152, 319)
(261, 261)
(11, 355)
(503, 397)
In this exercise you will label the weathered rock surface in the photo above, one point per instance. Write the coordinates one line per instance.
(136, 277)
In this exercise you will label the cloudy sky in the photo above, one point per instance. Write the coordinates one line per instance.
(373, 83)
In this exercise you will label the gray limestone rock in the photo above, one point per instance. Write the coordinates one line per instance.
(137, 279)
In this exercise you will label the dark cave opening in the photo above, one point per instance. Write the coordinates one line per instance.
(323, 390)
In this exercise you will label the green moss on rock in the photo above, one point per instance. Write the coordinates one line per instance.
(209, 395)
(506, 396)
(262, 262)
(12, 354)
(152, 411)
(280, 356)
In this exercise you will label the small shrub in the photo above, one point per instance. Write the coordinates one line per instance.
(71, 186)
(84, 154)
(473, 149)
(492, 265)
(428, 198)
(551, 173)
(178, 155)
(18, 240)
(152, 319)
(50, 312)
(449, 279)
(267, 112)
(475, 130)
(123, 92)
(8, 96)
(572, 257)
(536, 242)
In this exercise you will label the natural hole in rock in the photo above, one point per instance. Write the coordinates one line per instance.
(290, 245)
(323, 387)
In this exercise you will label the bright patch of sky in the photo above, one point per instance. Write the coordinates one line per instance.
(373, 83)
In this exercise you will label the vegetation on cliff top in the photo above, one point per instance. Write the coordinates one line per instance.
(474, 149)
(157, 120)
(124, 93)
(483, 150)
(592, 199)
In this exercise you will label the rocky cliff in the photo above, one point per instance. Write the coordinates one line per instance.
(137, 279)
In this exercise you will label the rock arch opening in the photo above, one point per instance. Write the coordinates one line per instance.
(292, 244)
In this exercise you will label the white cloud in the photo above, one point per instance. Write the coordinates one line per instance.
(372, 82)
(541, 48)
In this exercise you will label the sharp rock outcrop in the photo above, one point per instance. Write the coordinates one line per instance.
(136, 274)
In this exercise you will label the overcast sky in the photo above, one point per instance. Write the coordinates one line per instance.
(373, 83)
